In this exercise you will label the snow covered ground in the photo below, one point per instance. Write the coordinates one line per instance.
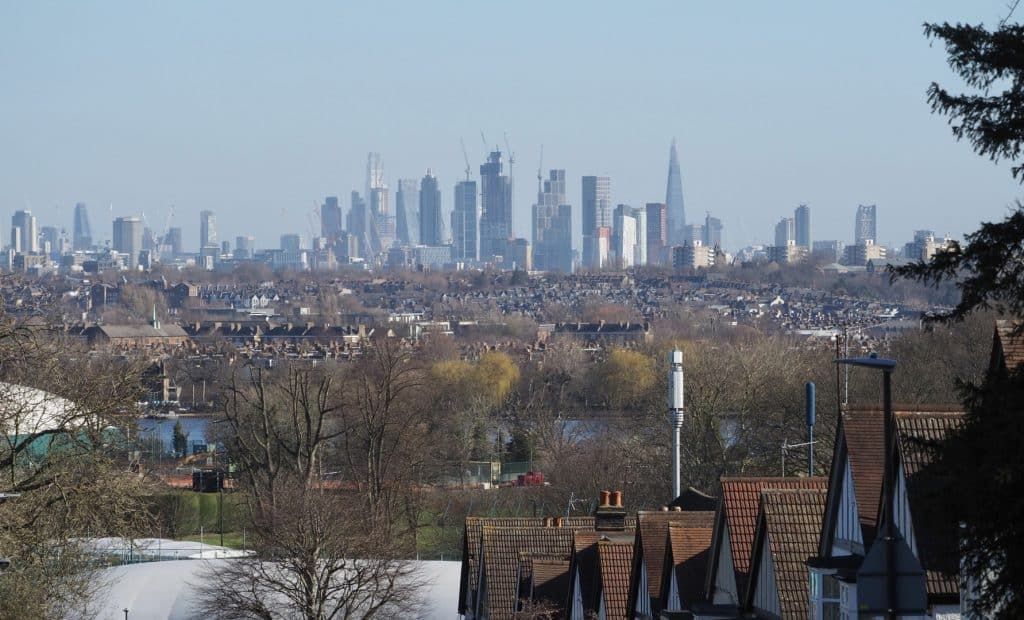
(166, 590)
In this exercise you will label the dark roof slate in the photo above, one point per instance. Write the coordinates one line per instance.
(790, 524)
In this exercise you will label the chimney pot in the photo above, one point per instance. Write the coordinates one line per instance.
(664, 509)
(677, 509)
(604, 498)
(559, 521)
(617, 499)
(547, 521)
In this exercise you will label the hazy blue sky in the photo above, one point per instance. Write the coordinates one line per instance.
(258, 109)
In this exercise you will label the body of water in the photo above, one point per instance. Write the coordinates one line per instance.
(163, 429)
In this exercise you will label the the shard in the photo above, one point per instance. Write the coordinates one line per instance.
(676, 214)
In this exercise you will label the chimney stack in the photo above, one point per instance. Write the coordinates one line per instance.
(676, 410)
(610, 514)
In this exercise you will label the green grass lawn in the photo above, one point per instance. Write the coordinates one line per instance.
(233, 540)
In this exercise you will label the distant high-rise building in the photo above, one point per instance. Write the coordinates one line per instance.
(81, 239)
(128, 239)
(640, 247)
(712, 232)
(50, 241)
(207, 229)
(831, 251)
(595, 213)
(517, 254)
(330, 218)
(374, 173)
(465, 222)
(24, 235)
(866, 225)
(291, 242)
(802, 219)
(245, 247)
(552, 226)
(382, 233)
(657, 232)
(172, 241)
(674, 198)
(625, 236)
(692, 233)
(431, 218)
(785, 232)
(407, 212)
(358, 225)
(496, 207)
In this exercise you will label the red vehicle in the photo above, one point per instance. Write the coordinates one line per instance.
(530, 479)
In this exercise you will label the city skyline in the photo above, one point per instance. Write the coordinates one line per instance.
(868, 139)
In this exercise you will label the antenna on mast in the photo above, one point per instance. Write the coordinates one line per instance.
(676, 411)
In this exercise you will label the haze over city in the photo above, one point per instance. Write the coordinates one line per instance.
(255, 111)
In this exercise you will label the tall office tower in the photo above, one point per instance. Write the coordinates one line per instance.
(291, 242)
(596, 212)
(172, 241)
(431, 218)
(382, 233)
(28, 240)
(802, 217)
(865, 227)
(465, 222)
(625, 236)
(496, 206)
(692, 233)
(374, 173)
(712, 232)
(82, 233)
(785, 232)
(330, 218)
(358, 225)
(128, 239)
(50, 241)
(245, 247)
(552, 225)
(407, 212)
(207, 229)
(657, 233)
(674, 198)
(640, 248)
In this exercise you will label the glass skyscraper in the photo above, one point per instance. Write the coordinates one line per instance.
(431, 220)
(802, 217)
(596, 213)
(496, 207)
(866, 225)
(676, 214)
(465, 222)
(81, 239)
(552, 226)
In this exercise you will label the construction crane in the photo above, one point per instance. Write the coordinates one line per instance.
(511, 155)
(167, 226)
(465, 156)
(540, 174)
(484, 138)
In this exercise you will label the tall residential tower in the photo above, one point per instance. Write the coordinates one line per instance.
(552, 226)
(596, 213)
(496, 207)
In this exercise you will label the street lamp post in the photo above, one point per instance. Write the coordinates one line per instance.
(890, 580)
